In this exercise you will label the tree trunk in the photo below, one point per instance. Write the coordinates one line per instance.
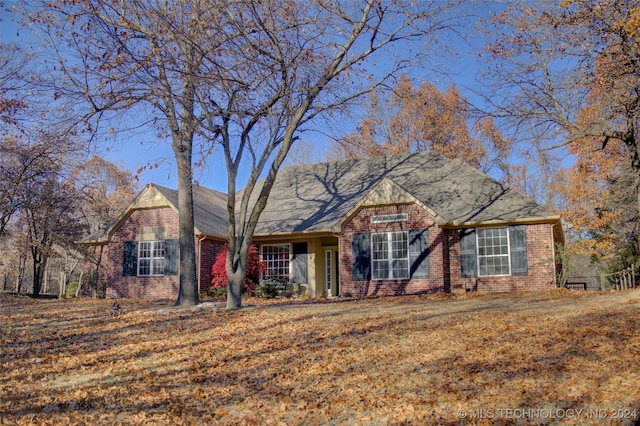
(234, 293)
(188, 293)
(21, 267)
(38, 275)
(79, 286)
(236, 271)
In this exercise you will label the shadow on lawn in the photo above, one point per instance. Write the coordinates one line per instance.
(274, 362)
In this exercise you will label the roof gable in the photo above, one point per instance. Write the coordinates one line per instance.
(209, 211)
(318, 197)
(384, 192)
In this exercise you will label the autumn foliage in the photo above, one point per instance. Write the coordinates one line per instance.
(219, 280)
(423, 117)
(423, 360)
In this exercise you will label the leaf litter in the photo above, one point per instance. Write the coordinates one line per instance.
(440, 359)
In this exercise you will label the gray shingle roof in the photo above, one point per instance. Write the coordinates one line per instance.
(209, 208)
(315, 197)
(318, 197)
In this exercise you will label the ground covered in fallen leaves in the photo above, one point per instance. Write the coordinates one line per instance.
(556, 357)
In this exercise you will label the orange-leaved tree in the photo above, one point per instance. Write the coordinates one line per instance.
(418, 118)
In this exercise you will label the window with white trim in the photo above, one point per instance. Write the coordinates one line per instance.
(151, 257)
(398, 217)
(493, 251)
(276, 259)
(390, 255)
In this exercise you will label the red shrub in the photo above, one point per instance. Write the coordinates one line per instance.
(219, 281)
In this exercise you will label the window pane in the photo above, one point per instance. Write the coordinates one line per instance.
(401, 268)
(493, 251)
(380, 269)
(390, 253)
(158, 266)
(144, 267)
(380, 246)
(276, 261)
(158, 249)
(145, 249)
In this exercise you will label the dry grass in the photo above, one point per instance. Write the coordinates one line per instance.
(536, 358)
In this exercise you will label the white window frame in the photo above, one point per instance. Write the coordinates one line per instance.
(154, 253)
(384, 218)
(494, 253)
(328, 267)
(385, 258)
(268, 263)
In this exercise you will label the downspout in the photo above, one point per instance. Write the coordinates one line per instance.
(199, 261)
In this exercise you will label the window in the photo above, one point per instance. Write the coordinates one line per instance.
(400, 217)
(390, 255)
(151, 257)
(276, 260)
(493, 251)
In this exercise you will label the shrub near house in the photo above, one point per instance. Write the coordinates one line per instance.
(219, 282)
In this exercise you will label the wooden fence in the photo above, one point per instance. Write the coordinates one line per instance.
(622, 280)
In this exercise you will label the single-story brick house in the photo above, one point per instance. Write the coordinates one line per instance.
(406, 224)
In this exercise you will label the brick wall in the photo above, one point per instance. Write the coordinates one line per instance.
(157, 287)
(541, 265)
(417, 219)
(444, 258)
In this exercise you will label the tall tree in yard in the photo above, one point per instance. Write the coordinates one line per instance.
(49, 217)
(149, 60)
(570, 72)
(246, 76)
(299, 61)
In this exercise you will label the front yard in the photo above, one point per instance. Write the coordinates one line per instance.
(534, 358)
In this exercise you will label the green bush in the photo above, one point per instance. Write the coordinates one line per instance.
(268, 289)
(71, 289)
(218, 291)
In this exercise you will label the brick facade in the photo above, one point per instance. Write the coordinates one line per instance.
(541, 265)
(418, 219)
(156, 287)
(443, 248)
(444, 258)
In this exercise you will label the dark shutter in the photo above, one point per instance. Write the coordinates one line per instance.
(468, 255)
(171, 258)
(130, 259)
(518, 248)
(418, 253)
(361, 257)
(300, 263)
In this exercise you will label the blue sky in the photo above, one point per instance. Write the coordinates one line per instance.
(135, 150)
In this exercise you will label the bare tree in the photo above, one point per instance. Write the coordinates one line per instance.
(569, 72)
(13, 63)
(240, 74)
(21, 164)
(298, 62)
(104, 191)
